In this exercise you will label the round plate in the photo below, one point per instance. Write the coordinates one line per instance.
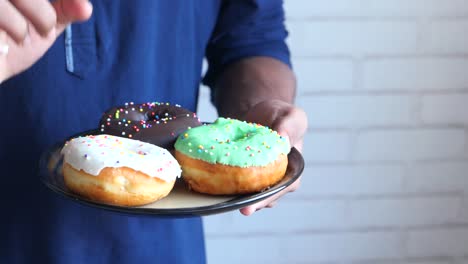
(180, 202)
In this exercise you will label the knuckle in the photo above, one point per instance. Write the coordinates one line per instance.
(11, 21)
(19, 30)
(49, 22)
(39, 12)
(50, 16)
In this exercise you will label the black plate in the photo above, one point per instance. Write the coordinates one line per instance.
(180, 202)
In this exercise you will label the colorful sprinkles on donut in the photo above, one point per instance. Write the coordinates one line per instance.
(233, 142)
(94, 153)
(154, 122)
(137, 117)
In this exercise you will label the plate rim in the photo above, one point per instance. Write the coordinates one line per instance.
(235, 203)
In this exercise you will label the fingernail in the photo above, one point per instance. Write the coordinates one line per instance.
(4, 48)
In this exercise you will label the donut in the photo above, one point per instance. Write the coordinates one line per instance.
(118, 171)
(155, 123)
(231, 157)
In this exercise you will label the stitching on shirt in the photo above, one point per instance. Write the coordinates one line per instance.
(69, 49)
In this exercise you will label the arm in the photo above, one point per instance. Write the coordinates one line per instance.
(251, 81)
(250, 75)
(262, 89)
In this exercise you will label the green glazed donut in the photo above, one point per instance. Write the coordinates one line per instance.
(233, 142)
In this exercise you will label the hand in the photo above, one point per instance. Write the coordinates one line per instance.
(290, 122)
(28, 28)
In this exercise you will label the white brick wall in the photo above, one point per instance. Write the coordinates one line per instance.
(407, 145)
(385, 84)
(437, 176)
(445, 109)
(346, 38)
(328, 69)
(353, 110)
(327, 146)
(440, 31)
(410, 74)
(309, 9)
(438, 242)
(352, 180)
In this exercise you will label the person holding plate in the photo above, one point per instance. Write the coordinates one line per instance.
(57, 78)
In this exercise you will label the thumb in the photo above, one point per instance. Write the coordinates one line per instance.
(69, 11)
(293, 126)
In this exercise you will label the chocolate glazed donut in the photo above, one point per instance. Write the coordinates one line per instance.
(155, 123)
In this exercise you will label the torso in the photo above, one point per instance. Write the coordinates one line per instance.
(136, 51)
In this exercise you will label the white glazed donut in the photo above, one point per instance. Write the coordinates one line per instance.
(117, 170)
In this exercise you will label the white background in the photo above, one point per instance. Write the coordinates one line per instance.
(385, 85)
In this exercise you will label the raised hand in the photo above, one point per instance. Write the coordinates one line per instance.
(28, 28)
(290, 122)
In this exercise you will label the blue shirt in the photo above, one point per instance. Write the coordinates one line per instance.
(128, 51)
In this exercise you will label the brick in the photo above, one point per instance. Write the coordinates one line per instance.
(404, 145)
(321, 75)
(303, 9)
(419, 261)
(290, 216)
(234, 250)
(307, 215)
(414, 74)
(404, 212)
(461, 261)
(356, 110)
(326, 146)
(352, 38)
(401, 261)
(445, 109)
(441, 177)
(439, 242)
(343, 246)
(424, 261)
(329, 180)
(415, 8)
(447, 37)
(321, 8)
(438, 177)
(313, 248)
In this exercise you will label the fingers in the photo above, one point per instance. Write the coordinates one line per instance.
(40, 13)
(271, 201)
(249, 210)
(290, 122)
(294, 126)
(268, 203)
(16, 15)
(272, 204)
(69, 11)
(287, 120)
(12, 21)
